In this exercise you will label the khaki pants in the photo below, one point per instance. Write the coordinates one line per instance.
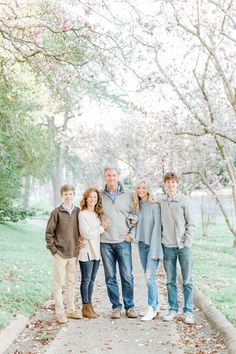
(64, 267)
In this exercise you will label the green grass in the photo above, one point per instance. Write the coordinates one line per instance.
(214, 268)
(25, 272)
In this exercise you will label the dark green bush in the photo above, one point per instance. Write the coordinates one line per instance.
(15, 214)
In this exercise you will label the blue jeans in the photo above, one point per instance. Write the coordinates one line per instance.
(113, 253)
(88, 274)
(150, 269)
(184, 255)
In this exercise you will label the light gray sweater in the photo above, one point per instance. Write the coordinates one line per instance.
(148, 228)
(118, 211)
(177, 221)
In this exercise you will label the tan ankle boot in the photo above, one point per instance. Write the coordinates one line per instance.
(87, 312)
(93, 311)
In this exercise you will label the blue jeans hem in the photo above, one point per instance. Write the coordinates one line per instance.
(116, 308)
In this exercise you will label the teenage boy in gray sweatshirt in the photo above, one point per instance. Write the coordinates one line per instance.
(178, 228)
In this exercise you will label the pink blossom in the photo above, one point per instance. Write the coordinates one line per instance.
(67, 24)
(38, 37)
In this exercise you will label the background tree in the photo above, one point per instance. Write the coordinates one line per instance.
(22, 142)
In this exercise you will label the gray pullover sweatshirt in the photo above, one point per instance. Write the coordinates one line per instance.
(177, 221)
(148, 228)
(118, 211)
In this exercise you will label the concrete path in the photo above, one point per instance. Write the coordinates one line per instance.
(12, 331)
(118, 336)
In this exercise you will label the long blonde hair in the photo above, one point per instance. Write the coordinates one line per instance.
(137, 199)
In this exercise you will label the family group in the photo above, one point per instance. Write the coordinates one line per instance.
(105, 226)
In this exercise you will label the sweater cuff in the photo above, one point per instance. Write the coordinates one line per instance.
(101, 229)
(53, 250)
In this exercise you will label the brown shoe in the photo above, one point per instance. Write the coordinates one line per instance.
(130, 313)
(74, 314)
(115, 315)
(62, 319)
(93, 311)
(87, 311)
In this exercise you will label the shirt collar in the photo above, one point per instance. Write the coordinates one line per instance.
(172, 197)
(113, 195)
(69, 210)
(119, 189)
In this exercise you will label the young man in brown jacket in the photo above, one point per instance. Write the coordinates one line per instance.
(62, 235)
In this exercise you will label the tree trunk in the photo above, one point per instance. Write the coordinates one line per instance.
(56, 184)
(57, 177)
(26, 195)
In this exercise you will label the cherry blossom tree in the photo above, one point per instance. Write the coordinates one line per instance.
(191, 50)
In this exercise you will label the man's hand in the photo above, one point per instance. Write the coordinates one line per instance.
(133, 222)
(81, 242)
(128, 238)
(106, 222)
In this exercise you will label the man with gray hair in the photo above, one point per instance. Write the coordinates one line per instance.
(116, 244)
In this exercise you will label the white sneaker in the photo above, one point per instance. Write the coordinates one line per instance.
(170, 315)
(149, 315)
(188, 318)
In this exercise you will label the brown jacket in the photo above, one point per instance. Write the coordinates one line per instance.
(62, 232)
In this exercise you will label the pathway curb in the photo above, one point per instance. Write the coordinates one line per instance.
(217, 319)
(11, 332)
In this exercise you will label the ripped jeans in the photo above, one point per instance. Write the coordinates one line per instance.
(150, 269)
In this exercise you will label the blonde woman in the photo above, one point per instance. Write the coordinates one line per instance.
(91, 226)
(148, 236)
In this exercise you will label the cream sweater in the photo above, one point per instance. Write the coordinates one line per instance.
(90, 228)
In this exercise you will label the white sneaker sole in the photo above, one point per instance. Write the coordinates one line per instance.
(148, 319)
(169, 319)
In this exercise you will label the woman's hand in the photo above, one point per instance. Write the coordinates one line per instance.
(128, 238)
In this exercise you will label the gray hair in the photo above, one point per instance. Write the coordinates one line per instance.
(108, 168)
